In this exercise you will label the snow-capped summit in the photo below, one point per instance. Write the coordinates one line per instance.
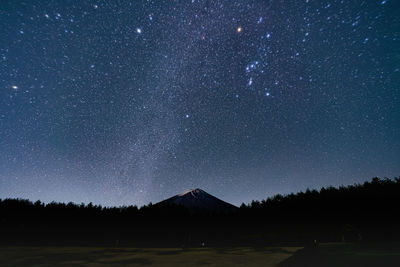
(193, 192)
(197, 198)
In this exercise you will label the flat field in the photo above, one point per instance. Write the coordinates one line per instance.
(94, 256)
(340, 254)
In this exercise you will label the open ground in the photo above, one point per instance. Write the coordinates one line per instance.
(329, 254)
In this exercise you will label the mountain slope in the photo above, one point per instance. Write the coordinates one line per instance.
(199, 199)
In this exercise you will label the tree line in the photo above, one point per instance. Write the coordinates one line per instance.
(358, 212)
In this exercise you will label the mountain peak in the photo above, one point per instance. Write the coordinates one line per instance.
(193, 191)
(197, 198)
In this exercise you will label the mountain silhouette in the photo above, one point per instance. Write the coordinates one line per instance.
(199, 199)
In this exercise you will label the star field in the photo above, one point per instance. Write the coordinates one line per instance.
(127, 102)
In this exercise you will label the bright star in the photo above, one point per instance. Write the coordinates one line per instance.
(239, 29)
(250, 81)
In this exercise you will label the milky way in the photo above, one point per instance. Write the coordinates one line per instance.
(127, 102)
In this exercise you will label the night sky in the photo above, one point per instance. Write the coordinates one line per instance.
(127, 102)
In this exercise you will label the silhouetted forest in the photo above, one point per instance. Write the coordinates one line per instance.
(356, 213)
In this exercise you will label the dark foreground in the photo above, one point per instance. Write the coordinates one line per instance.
(346, 255)
(329, 254)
